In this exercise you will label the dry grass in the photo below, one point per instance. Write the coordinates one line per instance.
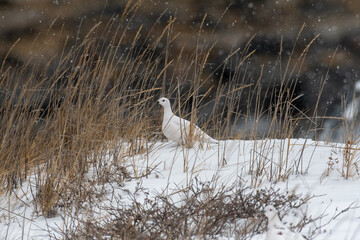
(55, 120)
(59, 121)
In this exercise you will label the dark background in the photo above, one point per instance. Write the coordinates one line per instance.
(228, 23)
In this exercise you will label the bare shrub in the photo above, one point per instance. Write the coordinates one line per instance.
(204, 210)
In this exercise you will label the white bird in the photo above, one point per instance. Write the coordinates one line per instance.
(276, 229)
(180, 130)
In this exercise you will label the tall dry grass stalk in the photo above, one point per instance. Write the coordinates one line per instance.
(350, 150)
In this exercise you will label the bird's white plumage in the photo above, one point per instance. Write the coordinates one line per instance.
(276, 229)
(180, 130)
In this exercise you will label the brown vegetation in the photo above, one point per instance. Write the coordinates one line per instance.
(65, 117)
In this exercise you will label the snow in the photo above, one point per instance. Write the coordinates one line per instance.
(314, 168)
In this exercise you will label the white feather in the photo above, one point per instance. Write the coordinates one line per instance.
(178, 129)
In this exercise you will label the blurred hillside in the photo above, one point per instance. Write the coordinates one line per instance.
(42, 30)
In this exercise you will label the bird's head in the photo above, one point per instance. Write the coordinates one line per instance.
(270, 211)
(164, 102)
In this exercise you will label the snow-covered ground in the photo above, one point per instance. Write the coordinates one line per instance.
(303, 166)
